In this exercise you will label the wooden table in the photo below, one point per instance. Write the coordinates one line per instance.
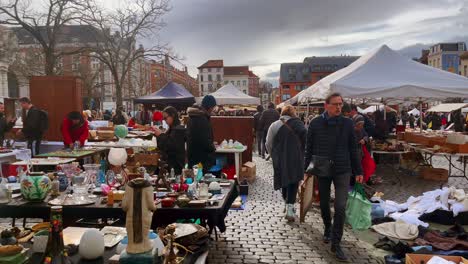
(45, 161)
(79, 155)
(214, 215)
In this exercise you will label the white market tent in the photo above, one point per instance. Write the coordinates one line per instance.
(231, 95)
(384, 73)
(447, 108)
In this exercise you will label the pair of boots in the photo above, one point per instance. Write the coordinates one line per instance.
(335, 248)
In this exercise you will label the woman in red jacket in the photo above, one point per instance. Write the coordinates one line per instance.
(74, 128)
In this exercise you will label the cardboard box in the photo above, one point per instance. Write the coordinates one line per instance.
(248, 172)
(420, 258)
(434, 174)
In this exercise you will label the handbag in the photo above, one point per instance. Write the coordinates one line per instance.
(321, 166)
(358, 209)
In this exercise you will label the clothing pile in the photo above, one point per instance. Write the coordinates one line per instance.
(445, 199)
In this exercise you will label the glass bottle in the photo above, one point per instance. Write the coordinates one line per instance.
(55, 252)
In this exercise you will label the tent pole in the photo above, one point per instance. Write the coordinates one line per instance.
(420, 116)
(385, 112)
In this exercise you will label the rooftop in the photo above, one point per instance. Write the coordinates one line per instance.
(236, 70)
(212, 64)
(251, 74)
(68, 34)
(453, 46)
(330, 63)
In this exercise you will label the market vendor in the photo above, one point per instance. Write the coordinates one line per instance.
(74, 128)
(172, 142)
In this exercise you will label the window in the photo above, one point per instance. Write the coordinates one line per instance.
(245, 91)
(201, 87)
(232, 82)
(75, 62)
(238, 83)
(244, 83)
(210, 79)
(218, 77)
(305, 70)
(298, 87)
(210, 86)
(201, 78)
(286, 96)
(209, 69)
(286, 87)
(292, 70)
(218, 70)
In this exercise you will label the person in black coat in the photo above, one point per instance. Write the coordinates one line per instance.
(258, 130)
(172, 142)
(331, 142)
(286, 143)
(119, 118)
(200, 146)
(32, 127)
(268, 117)
(5, 125)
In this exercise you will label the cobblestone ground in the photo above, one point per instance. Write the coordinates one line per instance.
(260, 234)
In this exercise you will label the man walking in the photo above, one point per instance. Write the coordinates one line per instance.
(258, 131)
(34, 125)
(268, 117)
(331, 146)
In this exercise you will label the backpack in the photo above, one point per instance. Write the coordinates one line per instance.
(44, 117)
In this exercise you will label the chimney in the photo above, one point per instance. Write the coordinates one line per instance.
(166, 60)
(185, 69)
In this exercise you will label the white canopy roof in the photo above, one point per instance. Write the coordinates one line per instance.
(385, 73)
(415, 112)
(446, 108)
(231, 95)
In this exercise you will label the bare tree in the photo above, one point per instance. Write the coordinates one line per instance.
(44, 25)
(134, 20)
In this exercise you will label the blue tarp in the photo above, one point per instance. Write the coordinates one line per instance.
(171, 93)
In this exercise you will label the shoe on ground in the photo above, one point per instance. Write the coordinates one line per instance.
(327, 235)
(339, 254)
(290, 215)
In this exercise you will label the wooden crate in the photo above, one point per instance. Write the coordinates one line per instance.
(434, 174)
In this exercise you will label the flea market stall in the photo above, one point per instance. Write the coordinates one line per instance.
(172, 94)
(386, 75)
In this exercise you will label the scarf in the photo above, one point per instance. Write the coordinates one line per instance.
(137, 185)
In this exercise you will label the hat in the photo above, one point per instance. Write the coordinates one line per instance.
(157, 116)
(208, 102)
(358, 119)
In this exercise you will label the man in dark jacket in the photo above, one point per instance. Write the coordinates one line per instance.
(200, 146)
(331, 140)
(259, 132)
(32, 127)
(268, 117)
(5, 125)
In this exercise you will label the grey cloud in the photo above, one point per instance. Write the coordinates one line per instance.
(272, 75)
(264, 32)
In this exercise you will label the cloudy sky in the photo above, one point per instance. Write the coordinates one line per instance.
(265, 33)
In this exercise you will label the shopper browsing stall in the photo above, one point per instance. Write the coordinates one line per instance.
(5, 125)
(74, 129)
(200, 146)
(35, 123)
(172, 142)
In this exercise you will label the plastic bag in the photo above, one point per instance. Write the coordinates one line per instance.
(368, 164)
(358, 209)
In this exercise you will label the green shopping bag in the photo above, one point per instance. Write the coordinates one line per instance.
(358, 209)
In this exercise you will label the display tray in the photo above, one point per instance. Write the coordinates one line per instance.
(68, 154)
(69, 201)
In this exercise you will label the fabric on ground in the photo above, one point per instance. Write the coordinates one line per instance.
(398, 229)
(437, 241)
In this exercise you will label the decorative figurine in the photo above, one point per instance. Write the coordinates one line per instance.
(169, 254)
(162, 176)
(139, 205)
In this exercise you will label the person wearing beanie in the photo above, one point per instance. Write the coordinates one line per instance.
(268, 117)
(200, 146)
(258, 132)
(361, 136)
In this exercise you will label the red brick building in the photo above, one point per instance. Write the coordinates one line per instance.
(162, 72)
(297, 76)
(254, 84)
